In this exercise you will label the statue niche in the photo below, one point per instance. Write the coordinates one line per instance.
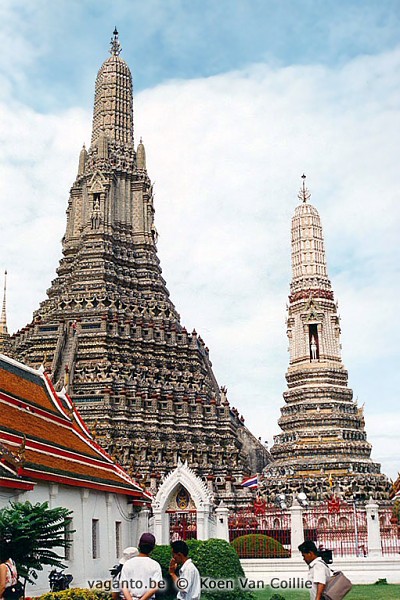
(96, 213)
(313, 342)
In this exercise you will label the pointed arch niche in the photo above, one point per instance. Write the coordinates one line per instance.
(197, 498)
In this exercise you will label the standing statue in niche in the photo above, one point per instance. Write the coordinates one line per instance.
(313, 348)
(96, 214)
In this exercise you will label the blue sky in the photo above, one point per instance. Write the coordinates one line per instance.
(182, 39)
(234, 101)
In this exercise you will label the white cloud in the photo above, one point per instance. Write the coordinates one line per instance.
(227, 153)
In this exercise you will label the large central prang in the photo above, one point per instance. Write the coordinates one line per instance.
(108, 331)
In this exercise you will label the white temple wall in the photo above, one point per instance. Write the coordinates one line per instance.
(88, 506)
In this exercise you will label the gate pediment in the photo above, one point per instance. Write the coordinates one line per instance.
(183, 477)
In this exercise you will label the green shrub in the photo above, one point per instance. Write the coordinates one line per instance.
(258, 545)
(77, 594)
(215, 559)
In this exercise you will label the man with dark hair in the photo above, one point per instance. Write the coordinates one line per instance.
(319, 573)
(141, 575)
(188, 581)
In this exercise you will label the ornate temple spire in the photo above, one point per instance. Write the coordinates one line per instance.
(109, 330)
(113, 103)
(5, 345)
(322, 429)
(3, 318)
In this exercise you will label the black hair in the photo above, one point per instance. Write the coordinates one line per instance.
(5, 551)
(146, 548)
(180, 547)
(308, 546)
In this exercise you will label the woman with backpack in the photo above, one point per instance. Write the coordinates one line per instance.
(10, 588)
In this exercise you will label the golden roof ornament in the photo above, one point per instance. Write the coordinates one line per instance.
(304, 193)
(115, 48)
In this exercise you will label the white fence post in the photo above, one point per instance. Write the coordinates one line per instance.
(296, 526)
(373, 529)
(222, 528)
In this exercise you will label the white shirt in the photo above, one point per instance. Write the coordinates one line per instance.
(189, 574)
(139, 574)
(318, 573)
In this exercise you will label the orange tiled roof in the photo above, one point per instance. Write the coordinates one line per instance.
(19, 419)
(23, 385)
(43, 437)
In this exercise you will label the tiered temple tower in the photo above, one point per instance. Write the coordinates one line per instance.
(108, 331)
(324, 444)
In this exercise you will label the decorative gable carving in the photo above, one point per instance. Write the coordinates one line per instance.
(183, 476)
(98, 183)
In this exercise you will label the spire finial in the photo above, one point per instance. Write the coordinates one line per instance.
(115, 49)
(304, 193)
(3, 318)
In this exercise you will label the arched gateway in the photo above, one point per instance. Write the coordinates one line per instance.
(183, 507)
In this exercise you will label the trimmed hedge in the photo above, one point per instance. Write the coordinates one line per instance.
(258, 545)
(215, 559)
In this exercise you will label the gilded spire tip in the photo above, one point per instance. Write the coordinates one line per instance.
(115, 48)
(304, 194)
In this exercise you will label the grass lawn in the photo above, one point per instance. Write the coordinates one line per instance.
(358, 592)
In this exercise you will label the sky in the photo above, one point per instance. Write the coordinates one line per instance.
(234, 101)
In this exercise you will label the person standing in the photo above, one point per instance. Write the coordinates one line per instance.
(188, 582)
(319, 573)
(8, 570)
(141, 576)
(116, 586)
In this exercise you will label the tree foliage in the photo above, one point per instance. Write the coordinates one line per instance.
(32, 533)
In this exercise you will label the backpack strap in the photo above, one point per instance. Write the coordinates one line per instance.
(328, 566)
(12, 574)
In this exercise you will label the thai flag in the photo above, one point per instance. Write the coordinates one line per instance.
(250, 482)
